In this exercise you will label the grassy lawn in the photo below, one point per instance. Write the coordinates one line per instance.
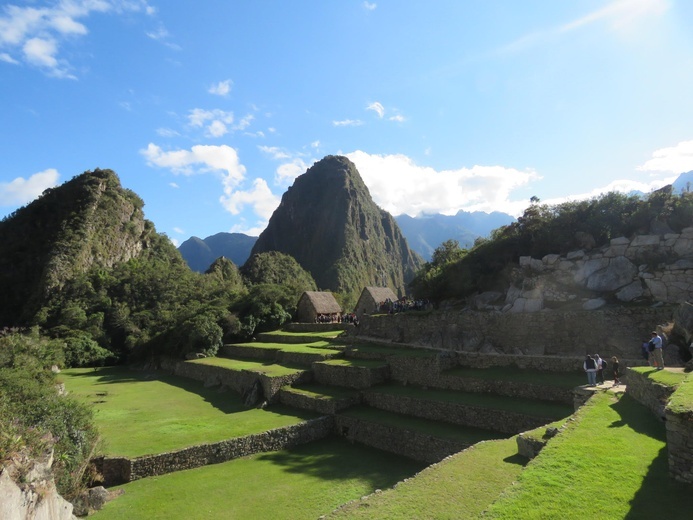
(302, 483)
(330, 334)
(140, 413)
(269, 369)
(663, 377)
(323, 391)
(609, 464)
(310, 348)
(458, 488)
(356, 363)
(512, 404)
(563, 380)
(392, 351)
(425, 426)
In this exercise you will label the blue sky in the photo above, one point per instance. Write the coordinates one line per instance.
(209, 110)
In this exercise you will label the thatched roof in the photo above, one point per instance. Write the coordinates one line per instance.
(323, 302)
(380, 294)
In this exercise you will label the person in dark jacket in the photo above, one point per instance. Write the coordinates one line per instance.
(614, 369)
(590, 368)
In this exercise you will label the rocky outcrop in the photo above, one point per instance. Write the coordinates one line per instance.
(646, 268)
(27, 492)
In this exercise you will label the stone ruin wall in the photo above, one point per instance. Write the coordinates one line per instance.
(617, 331)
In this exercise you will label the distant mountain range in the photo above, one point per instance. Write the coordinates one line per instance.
(199, 253)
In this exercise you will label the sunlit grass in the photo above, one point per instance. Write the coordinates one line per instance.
(269, 369)
(301, 483)
(610, 464)
(140, 413)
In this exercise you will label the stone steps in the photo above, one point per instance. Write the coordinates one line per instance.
(318, 398)
(508, 415)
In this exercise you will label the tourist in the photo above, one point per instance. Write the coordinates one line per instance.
(645, 351)
(590, 367)
(656, 342)
(600, 369)
(614, 370)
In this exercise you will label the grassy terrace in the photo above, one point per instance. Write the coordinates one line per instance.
(514, 374)
(140, 413)
(322, 391)
(425, 426)
(356, 363)
(297, 484)
(615, 453)
(663, 377)
(310, 348)
(457, 488)
(512, 404)
(269, 369)
(329, 334)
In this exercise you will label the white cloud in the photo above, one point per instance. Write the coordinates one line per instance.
(167, 132)
(398, 118)
(199, 116)
(378, 108)
(287, 172)
(222, 88)
(178, 230)
(199, 159)
(34, 34)
(217, 129)
(370, 6)
(173, 185)
(174, 241)
(255, 231)
(677, 159)
(244, 122)
(348, 122)
(20, 190)
(260, 198)
(398, 185)
(275, 152)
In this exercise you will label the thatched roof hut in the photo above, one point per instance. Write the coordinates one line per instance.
(371, 297)
(313, 303)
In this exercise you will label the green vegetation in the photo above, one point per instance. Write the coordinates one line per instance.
(663, 377)
(301, 483)
(614, 457)
(269, 369)
(356, 363)
(543, 229)
(140, 413)
(458, 488)
(323, 391)
(35, 418)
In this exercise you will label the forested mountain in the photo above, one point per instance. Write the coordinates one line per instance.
(199, 254)
(426, 232)
(329, 223)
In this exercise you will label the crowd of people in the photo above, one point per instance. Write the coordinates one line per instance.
(402, 305)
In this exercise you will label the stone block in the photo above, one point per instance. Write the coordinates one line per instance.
(630, 292)
(620, 272)
(619, 241)
(550, 259)
(575, 255)
(589, 268)
(594, 303)
(525, 261)
(645, 240)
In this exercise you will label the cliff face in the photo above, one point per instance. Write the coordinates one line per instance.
(329, 223)
(88, 221)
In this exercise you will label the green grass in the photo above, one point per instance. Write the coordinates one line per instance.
(512, 404)
(426, 426)
(322, 334)
(269, 369)
(514, 374)
(609, 464)
(663, 377)
(682, 400)
(356, 363)
(323, 391)
(301, 483)
(458, 488)
(140, 413)
(310, 348)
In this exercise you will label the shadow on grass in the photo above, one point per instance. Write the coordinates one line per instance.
(226, 401)
(336, 459)
(660, 496)
(634, 415)
(518, 459)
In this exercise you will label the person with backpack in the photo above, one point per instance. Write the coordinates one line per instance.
(656, 350)
(590, 368)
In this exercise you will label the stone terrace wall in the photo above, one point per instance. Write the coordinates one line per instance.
(680, 445)
(497, 420)
(201, 455)
(237, 380)
(408, 443)
(648, 393)
(608, 331)
(350, 376)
